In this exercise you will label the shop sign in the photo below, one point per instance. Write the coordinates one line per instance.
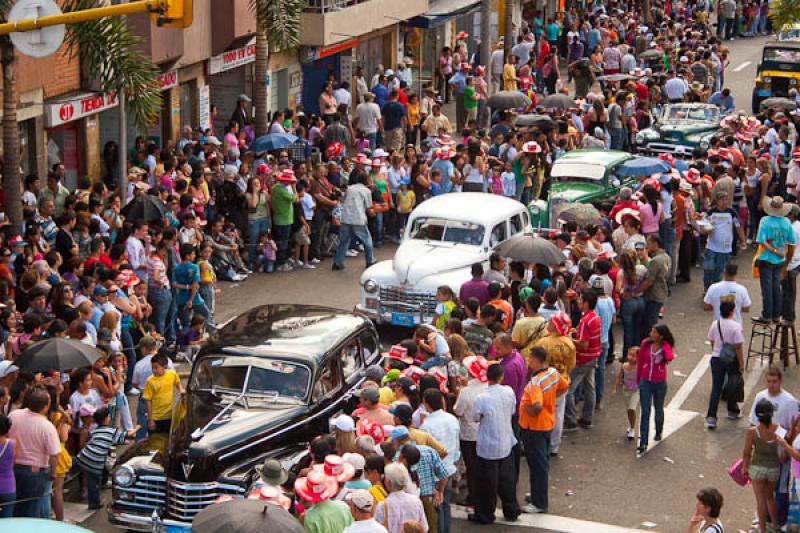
(68, 110)
(166, 80)
(232, 59)
(204, 97)
(313, 53)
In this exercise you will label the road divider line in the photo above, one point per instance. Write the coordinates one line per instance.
(562, 524)
(691, 382)
(742, 66)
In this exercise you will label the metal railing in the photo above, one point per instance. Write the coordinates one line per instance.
(328, 6)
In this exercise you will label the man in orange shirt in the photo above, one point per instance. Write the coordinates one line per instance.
(496, 301)
(536, 421)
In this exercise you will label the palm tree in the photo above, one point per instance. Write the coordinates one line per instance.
(784, 13)
(278, 23)
(109, 53)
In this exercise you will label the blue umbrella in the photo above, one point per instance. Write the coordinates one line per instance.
(681, 165)
(643, 166)
(271, 142)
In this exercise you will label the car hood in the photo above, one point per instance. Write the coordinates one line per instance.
(684, 128)
(416, 259)
(573, 191)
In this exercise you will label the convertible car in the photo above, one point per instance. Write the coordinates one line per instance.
(679, 129)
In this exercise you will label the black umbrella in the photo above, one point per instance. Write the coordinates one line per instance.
(508, 100)
(651, 54)
(617, 77)
(144, 208)
(531, 249)
(779, 102)
(557, 101)
(245, 516)
(57, 354)
(534, 120)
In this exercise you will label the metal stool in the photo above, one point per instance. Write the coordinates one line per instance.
(761, 341)
(784, 342)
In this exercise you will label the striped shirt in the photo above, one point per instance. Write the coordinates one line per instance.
(589, 329)
(493, 410)
(542, 388)
(92, 456)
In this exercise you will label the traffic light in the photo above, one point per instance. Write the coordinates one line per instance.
(177, 14)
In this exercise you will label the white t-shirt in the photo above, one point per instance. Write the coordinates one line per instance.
(29, 199)
(731, 333)
(729, 291)
(786, 408)
(365, 526)
(368, 115)
(795, 262)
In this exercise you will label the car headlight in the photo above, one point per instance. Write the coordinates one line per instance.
(535, 210)
(371, 286)
(640, 138)
(767, 80)
(703, 145)
(792, 81)
(124, 476)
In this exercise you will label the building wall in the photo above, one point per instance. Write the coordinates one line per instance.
(57, 74)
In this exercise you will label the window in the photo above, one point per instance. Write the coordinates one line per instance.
(516, 224)
(329, 379)
(351, 360)
(368, 344)
(498, 234)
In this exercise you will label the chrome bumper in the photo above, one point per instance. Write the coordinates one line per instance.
(139, 522)
(677, 150)
(381, 316)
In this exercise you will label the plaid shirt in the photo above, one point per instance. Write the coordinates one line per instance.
(299, 150)
(430, 470)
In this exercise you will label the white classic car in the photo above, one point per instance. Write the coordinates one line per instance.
(443, 238)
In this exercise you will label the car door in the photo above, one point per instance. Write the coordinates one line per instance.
(499, 234)
(326, 395)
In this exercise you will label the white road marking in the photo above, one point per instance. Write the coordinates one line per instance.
(742, 66)
(691, 382)
(562, 524)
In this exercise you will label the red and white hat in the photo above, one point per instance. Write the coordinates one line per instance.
(263, 169)
(531, 147)
(652, 182)
(668, 158)
(626, 212)
(127, 278)
(441, 377)
(316, 486)
(445, 152)
(465, 66)
(337, 468)
(361, 159)
(414, 373)
(271, 494)
(693, 176)
(287, 176)
(460, 36)
(400, 353)
(445, 140)
(476, 366)
(561, 322)
(605, 254)
(334, 150)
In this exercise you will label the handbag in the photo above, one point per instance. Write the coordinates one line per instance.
(793, 515)
(738, 474)
(733, 390)
(727, 355)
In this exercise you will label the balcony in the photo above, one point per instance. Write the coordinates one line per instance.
(327, 22)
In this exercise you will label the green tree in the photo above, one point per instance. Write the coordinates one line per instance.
(110, 54)
(278, 23)
(784, 13)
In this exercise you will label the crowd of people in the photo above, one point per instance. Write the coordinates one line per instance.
(512, 360)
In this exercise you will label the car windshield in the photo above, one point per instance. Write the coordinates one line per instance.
(259, 378)
(686, 112)
(782, 55)
(443, 230)
(790, 32)
(578, 171)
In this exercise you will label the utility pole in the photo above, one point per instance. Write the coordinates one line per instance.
(486, 45)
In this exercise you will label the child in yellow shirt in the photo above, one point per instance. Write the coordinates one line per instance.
(406, 200)
(158, 395)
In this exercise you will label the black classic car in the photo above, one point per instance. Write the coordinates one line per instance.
(267, 384)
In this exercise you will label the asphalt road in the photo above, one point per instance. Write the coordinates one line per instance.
(597, 479)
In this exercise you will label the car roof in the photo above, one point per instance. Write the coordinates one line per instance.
(691, 104)
(595, 155)
(782, 44)
(302, 333)
(478, 207)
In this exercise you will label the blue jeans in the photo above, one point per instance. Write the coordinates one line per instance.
(617, 138)
(94, 481)
(32, 488)
(651, 393)
(771, 293)
(255, 227)
(207, 293)
(7, 508)
(582, 376)
(713, 265)
(373, 140)
(130, 353)
(632, 311)
(443, 512)
(667, 232)
(537, 454)
(651, 309)
(600, 373)
(346, 233)
(141, 419)
(184, 315)
(281, 235)
(161, 300)
(379, 228)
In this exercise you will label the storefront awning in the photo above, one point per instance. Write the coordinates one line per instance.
(440, 11)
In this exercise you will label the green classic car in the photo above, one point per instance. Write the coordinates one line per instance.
(679, 129)
(579, 176)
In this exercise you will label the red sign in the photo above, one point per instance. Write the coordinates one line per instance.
(232, 59)
(167, 80)
(66, 111)
(336, 48)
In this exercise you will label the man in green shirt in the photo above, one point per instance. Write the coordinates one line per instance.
(283, 197)
(654, 285)
(326, 515)
(470, 100)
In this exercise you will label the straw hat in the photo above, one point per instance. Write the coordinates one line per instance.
(776, 207)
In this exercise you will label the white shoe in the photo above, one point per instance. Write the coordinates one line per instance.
(351, 253)
(631, 433)
(309, 266)
(298, 263)
(315, 261)
(284, 268)
(134, 391)
(532, 509)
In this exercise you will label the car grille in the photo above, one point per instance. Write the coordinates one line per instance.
(780, 86)
(147, 494)
(664, 148)
(187, 499)
(400, 300)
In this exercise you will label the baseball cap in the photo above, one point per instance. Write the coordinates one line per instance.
(361, 499)
(403, 412)
(344, 423)
(7, 367)
(368, 394)
(374, 372)
(400, 433)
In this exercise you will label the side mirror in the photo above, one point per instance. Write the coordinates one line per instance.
(615, 182)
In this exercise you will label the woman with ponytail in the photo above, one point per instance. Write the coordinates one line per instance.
(761, 463)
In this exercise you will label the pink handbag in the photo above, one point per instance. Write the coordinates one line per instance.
(738, 475)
